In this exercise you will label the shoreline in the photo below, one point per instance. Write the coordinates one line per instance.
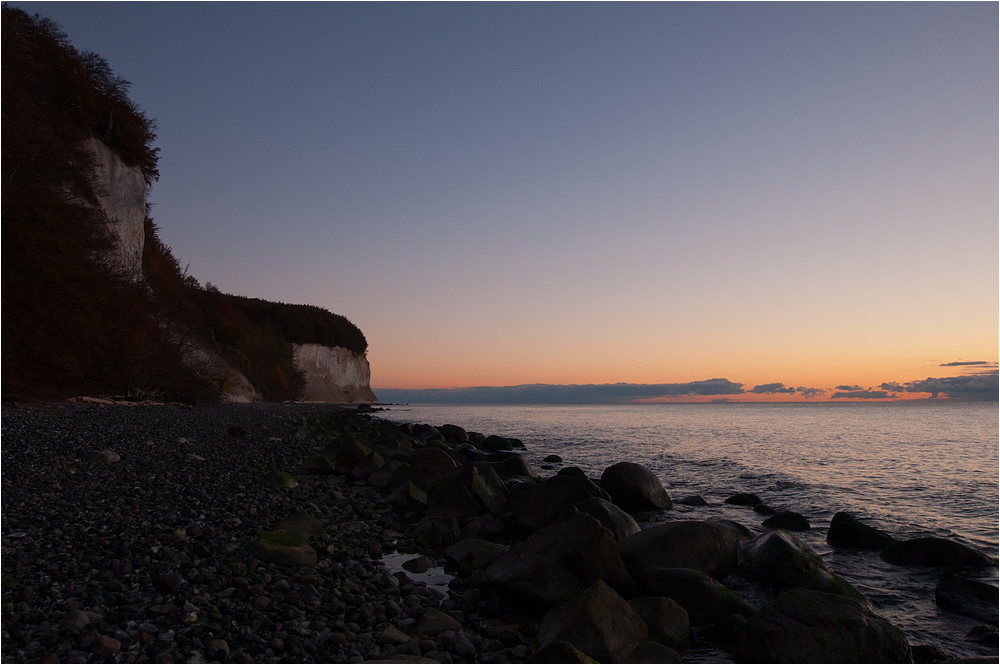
(196, 509)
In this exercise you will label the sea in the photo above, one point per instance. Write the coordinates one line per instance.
(913, 469)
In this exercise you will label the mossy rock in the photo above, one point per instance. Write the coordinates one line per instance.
(280, 479)
(727, 632)
(302, 522)
(8, 582)
(821, 580)
(317, 464)
(284, 547)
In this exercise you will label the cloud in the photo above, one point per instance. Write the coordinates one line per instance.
(959, 363)
(850, 388)
(974, 387)
(893, 386)
(543, 393)
(810, 392)
(863, 394)
(772, 388)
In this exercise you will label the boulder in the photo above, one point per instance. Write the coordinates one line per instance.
(611, 517)
(420, 564)
(695, 500)
(653, 652)
(488, 527)
(787, 520)
(436, 531)
(552, 459)
(408, 497)
(368, 465)
(703, 546)
(453, 432)
(598, 622)
(744, 500)
(572, 471)
(633, 487)
(970, 598)
(846, 531)
(317, 464)
(481, 484)
(827, 582)
(493, 443)
(284, 547)
(777, 558)
(433, 459)
(666, 621)
(741, 533)
(347, 455)
(705, 600)
(934, 552)
(558, 562)
(560, 652)
(478, 553)
(804, 626)
(537, 505)
(422, 478)
(434, 622)
(515, 465)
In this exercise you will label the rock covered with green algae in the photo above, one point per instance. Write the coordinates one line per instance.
(288, 548)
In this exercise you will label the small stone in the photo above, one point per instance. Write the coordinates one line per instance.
(74, 620)
(419, 565)
(170, 583)
(392, 635)
(104, 456)
(105, 646)
(218, 650)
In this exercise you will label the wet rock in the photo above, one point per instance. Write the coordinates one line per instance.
(848, 532)
(705, 600)
(487, 527)
(828, 582)
(408, 497)
(744, 500)
(611, 517)
(478, 553)
(392, 635)
(633, 487)
(552, 459)
(317, 464)
(934, 552)
(494, 443)
(666, 621)
(559, 562)
(480, 483)
(421, 564)
(695, 500)
(804, 626)
(434, 460)
(928, 653)
(515, 465)
(436, 531)
(535, 506)
(653, 652)
(777, 558)
(560, 652)
(287, 548)
(598, 622)
(703, 546)
(433, 622)
(970, 598)
(788, 520)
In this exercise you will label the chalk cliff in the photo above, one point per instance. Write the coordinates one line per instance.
(333, 374)
(121, 192)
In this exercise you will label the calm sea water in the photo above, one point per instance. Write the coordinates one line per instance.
(912, 469)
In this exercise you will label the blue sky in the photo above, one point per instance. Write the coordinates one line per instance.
(572, 193)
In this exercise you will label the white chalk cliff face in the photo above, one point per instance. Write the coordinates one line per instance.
(121, 191)
(333, 374)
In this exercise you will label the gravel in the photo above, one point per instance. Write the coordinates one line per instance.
(150, 558)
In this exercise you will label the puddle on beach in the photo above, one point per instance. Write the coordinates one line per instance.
(435, 577)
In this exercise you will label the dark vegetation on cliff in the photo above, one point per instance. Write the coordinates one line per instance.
(71, 325)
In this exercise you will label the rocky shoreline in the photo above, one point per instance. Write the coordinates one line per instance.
(256, 533)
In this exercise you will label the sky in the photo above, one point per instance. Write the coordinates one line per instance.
(792, 195)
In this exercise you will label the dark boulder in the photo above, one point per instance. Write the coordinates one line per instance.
(470, 490)
(598, 622)
(787, 520)
(453, 432)
(422, 478)
(493, 443)
(436, 531)
(666, 621)
(653, 652)
(475, 552)
(633, 487)
(515, 465)
(848, 532)
(804, 626)
(970, 598)
(934, 552)
(695, 500)
(744, 500)
(571, 471)
(705, 546)
(705, 600)
(558, 562)
(537, 505)
(777, 558)
(433, 459)
(611, 517)
(560, 652)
